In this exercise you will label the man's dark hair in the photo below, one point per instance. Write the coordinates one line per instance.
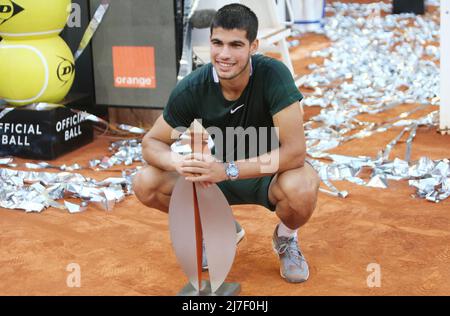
(236, 16)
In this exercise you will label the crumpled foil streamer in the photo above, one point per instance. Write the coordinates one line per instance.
(126, 152)
(431, 178)
(182, 145)
(121, 128)
(377, 61)
(34, 191)
(5, 111)
(17, 195)
(18, 189)
(193, 7)
(6, 160)
(374, 60)
(92, 28)
(412, 130)
(433, 2)
(131, 129)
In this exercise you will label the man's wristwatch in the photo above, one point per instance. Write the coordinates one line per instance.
(232, 170)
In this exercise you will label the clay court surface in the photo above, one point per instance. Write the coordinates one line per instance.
(127, 251)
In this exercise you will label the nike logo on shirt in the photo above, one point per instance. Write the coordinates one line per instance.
(234, 110)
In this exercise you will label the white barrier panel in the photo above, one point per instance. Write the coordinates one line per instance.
(281, 9)
(445, 66)
(308, 14)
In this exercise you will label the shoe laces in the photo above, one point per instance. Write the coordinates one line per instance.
(289, 247)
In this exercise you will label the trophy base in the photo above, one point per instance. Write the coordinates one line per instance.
(227, 289)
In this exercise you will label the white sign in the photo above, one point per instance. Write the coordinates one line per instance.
(445, 66)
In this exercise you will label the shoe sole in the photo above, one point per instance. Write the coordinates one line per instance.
(239, 236)
(281, 270)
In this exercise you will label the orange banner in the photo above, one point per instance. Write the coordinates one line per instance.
(134, 67)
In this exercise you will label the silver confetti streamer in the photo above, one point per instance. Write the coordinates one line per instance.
(377, 61)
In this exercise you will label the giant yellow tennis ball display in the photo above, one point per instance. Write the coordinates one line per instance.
(22, 19)
(33, 71)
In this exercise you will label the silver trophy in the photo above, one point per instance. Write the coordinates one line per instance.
(199, 214)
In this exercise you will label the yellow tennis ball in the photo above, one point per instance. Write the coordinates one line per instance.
(25, 19)
(33, 71)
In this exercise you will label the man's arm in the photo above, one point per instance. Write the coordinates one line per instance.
(156, 146)
(291, 153)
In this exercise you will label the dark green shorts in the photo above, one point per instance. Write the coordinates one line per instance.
(248, 191)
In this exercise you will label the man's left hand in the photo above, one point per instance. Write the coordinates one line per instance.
(206, 168)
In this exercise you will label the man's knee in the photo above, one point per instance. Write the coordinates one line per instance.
(149, 182)
(301, 191)
(143, 186)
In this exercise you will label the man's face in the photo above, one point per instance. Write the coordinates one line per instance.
(230, 52)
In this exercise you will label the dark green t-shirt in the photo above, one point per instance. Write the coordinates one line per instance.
(271, 88)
